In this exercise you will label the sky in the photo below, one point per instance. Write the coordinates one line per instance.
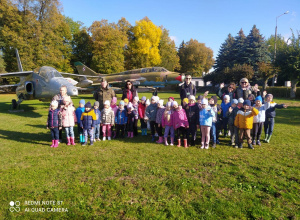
(208, 21)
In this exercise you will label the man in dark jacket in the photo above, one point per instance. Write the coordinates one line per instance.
(104, 93)
(187, 88)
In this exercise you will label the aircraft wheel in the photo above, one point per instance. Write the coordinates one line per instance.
(14, 104)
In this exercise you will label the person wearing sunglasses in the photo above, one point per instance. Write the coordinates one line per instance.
(231, 91)
(129, 91)
(188, 88)
(244, 89)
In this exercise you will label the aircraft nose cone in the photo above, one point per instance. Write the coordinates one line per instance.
(178, 78)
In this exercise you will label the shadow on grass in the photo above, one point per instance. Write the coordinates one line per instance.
(28, 110)
(37, 126)
(25, 137)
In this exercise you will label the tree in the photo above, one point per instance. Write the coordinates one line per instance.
(255, 49)
(225, 58)
(38, 30)
(108, 47)
(265, 72)
(238, 53)
(195, 57)
(237, 72)
(168, 52)
(288, 60)
(144, 45)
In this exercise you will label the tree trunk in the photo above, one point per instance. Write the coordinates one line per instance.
(265, 84)
(294, 88)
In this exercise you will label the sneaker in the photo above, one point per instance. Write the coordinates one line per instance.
(233, 144)
(214, 145)
(253, 142)
(104, 138)
(258, 143)
(91, 143)
(218, 142)
(109, 138)
(250, 146)
(94, 140)
(202, 147)
(240, 146)
(84, 144)
(206, 147)
(98, 139)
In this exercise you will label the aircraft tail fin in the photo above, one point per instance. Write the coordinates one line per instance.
(84, 70)
(19, 61)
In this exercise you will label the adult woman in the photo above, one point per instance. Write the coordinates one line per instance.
(244, 90)
(129, 91)
(229, 91)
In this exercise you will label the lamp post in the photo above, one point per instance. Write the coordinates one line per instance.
(274, 77)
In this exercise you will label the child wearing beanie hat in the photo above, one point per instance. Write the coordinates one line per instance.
(180, 123)
(244, 121)
(205, 117)
(120, 120)
(97, 123)
(114, 107)
(215, 126)
(225, 106)
(87, 123)
(130, 120)
(135, 105)
(270, 115)
(141, 111)
(258, 121)
(159, 115)
(54, 122)
(107, 120)
(78, 114)
(151, 111)
(192, 113)
(167, 123)
(68, 119)
(231, 114)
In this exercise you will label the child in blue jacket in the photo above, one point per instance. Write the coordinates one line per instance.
(205, 116)
(78, 114)
(97, 122)
(54, 123)
(120, 120)
(87, 122)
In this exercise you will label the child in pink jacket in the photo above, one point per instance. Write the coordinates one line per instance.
(167, 124)
(68, 120)
(180, 123)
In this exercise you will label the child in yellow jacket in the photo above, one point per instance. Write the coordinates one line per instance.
(244, 122)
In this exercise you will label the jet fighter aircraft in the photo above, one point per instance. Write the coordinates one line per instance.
(147, 77)
(42, 83)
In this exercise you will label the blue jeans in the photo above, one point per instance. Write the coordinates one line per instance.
(213, 132)
(269, 125)
(97, 131)
(69, 132)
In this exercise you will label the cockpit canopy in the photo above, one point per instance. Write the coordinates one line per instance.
(48, 73)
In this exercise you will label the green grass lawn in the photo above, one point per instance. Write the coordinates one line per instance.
(137, 179)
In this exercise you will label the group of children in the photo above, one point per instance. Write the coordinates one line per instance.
(183, 120)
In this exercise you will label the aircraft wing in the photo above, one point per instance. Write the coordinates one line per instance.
(16, 74)
(7, 86)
